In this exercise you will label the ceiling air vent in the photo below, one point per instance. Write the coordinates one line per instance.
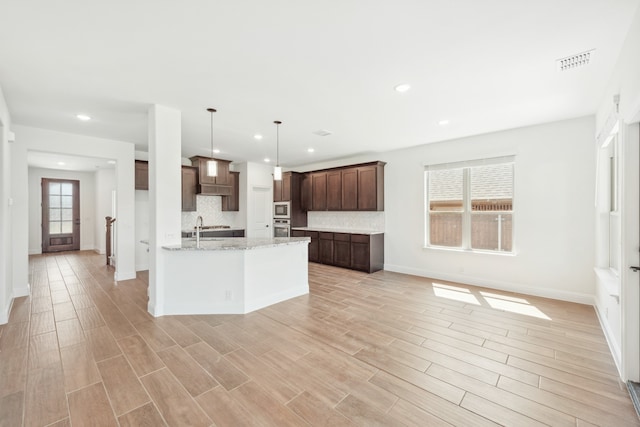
(322, 132)
(575, 61)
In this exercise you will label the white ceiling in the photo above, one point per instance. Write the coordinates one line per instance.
(483, 65)
(41, 159)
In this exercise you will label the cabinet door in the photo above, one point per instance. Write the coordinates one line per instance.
(189, 188)
(368, 188)
(319, 191)
(342, 250)
(142, 175)
(305, 193)
(223, 178)
(360, 252)
(286, 187)
(232, 203)
(326, 248)
(334, 190)
(277, 191)
(298, 233)
(350, 189)
(314, 246)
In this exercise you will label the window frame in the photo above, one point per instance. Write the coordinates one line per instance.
(467, 212)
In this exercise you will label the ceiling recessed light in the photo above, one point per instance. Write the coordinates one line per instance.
(216, 151)
(267, 160)
(111, 162)
(310, 150)
(257, 136)
(61, 163)
(322, 132)
(402, 87)
(83, 117)
(443, 122)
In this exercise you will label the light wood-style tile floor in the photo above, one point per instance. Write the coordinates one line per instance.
(360, 350)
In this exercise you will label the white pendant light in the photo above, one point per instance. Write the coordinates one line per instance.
(212, 165)
(277, 170)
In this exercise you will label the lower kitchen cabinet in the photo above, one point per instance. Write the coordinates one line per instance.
(326, 248)
(364, 252)
(342, 250)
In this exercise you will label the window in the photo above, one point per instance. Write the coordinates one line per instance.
(470, 205)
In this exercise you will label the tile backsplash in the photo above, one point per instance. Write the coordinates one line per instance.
(373, 221)
(210, 208)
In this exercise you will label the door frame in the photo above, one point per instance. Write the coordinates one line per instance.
(45, 199)
(630, 283)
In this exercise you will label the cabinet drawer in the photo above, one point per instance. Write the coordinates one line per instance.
(342, 237)
(327, 236)
(360, 238)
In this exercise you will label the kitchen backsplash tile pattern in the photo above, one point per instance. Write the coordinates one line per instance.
(210, 208)
(373, 221)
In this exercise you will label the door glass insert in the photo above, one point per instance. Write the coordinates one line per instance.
(60, 208)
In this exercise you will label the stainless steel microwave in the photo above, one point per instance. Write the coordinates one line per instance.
(282, 209)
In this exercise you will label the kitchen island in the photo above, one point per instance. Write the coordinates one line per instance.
(233, 275)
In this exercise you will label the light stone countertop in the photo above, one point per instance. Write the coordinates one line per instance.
(338, 230)
(235, 243)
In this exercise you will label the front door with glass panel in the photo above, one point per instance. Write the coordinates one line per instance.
(60, 215)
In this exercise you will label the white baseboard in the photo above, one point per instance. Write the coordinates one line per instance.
(142, 267)
(35, 251)
(576, 297)
(611, 342)
(124, 275)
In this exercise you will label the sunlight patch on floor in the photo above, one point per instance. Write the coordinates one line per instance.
(455, 293)
(497, 301)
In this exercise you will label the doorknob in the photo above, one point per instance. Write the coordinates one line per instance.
(634, 268)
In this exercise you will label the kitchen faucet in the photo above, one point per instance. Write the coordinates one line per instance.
(198, 228)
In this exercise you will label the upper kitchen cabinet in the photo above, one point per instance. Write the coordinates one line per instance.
(371, 187)
(318, 191)
(334, 190)
(232, 202)
(350, 188)
(142, 175)
(189, 188)
(219, 185)
(282, 188)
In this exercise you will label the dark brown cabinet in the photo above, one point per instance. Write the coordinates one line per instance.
(189, 184)
(282, 188)
(142, 175)
(364, 252)
(326, 248)
(342, 250)
(319, 191)
(351, 188)
(232, 203)
(370, 188)
(334, 190)
(219, 185)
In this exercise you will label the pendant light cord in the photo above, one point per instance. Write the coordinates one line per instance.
(212, 134)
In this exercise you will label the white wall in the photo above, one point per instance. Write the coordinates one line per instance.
(87, 206)
(142, 230)
(621, 319)
(105, 184)
(553, 218)
(6, 259)
(122, 152)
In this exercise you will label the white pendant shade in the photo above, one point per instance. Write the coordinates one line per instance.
(277, 173)
(212, 168)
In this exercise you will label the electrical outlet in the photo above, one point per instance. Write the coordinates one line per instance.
(227, 295)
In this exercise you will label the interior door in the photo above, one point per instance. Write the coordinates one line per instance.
(262, 218)
(60, 215)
